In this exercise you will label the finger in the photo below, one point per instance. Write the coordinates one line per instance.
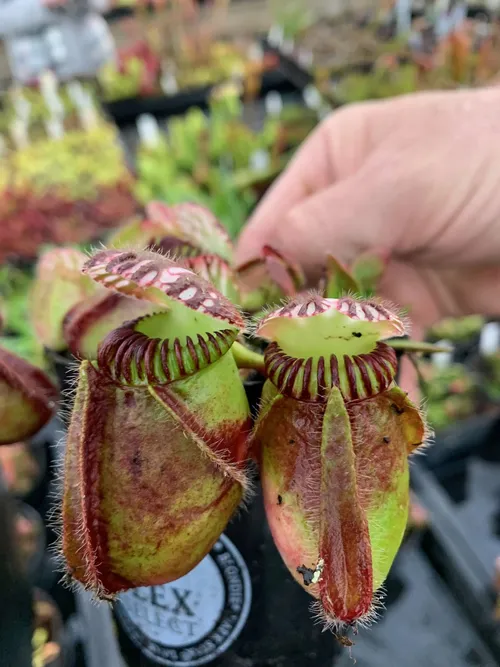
(317, 164)
(433, 293)
(412, 290)
(344, 220)
(471, 290)
(296, 184)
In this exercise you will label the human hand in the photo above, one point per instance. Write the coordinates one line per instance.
(417, 176)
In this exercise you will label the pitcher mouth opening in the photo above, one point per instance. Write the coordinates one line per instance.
(152, 277)
(319, 343)
(142, 353)
(193, 324)
(357, 377)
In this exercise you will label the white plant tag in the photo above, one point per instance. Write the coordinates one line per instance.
(49, 90)
(324, 111)
(403, 16)
(458, 15)
(260, 160)
(276, 35)
(19, 133)
(442, 359)
(169, 83)
(442, 6)
(273, 103)
(256, 53)
(48, 83)
(77, 93)
(489, 339)
(305, 58)
(21, 105)
(87, 112)
(312, 97)
(54, 127)
(148, 130)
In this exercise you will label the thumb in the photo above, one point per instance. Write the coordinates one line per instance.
(345, 220)
(335, 150)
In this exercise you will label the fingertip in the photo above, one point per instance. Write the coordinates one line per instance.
(300, 196)
(250, 243)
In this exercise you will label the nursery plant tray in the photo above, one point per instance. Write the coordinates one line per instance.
(280, 630)
(118, 13)
(460, 488)
(126, 111)
(302, 76)
(294, 72)
(422, 625)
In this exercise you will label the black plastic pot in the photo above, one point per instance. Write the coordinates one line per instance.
(291, 69)
(15, 607)
(280, 630)
(125, 112)
(49, 439)
(239, 608)
(118, 13)
(263, 618)
(253, 389)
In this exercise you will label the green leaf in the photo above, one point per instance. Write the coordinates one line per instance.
(339, 281)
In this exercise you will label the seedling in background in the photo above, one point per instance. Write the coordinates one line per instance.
(188, 56)
(64, 191)
(46, 640)
(17, 334)
(457, 330)
(211, 160)
(439, 50)
(489, 362)
(450, 390)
